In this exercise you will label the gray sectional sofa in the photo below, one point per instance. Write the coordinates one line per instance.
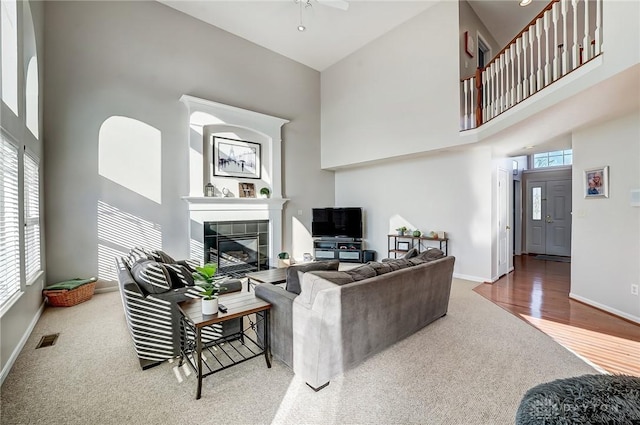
(340, 318)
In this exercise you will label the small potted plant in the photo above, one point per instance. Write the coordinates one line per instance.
(204, 278)
(265, 192)
(401, 230)
(417, 233)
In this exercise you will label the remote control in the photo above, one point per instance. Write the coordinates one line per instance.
(222, 308)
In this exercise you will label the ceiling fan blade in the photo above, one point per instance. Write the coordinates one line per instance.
(338, 4)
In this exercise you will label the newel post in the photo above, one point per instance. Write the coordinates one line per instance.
(478, 97)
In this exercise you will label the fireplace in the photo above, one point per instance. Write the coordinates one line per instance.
(237, 247)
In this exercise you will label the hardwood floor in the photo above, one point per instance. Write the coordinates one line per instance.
(537, 291)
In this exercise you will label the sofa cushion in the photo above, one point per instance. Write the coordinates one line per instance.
(151, 276)
(380, 268)
(410, 254)
(398, 264)
(417, 261)
(361, 273)
(293, 279)
(335, 276)
(431, 254)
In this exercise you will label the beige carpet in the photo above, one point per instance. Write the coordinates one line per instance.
(470, 367)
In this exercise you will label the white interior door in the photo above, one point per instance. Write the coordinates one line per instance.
(503, 222)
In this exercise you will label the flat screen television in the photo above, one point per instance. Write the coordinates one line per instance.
(337, 222)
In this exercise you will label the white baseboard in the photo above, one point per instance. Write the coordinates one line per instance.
(468, 277)
(605, 308)
(106, 289)
(21, 344)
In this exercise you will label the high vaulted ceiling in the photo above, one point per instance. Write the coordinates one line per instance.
(332, 33)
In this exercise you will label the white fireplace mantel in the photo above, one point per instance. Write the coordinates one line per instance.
(204, 203)
(207, 117)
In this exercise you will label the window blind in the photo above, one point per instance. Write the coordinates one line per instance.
(9, 222)
(31, 217)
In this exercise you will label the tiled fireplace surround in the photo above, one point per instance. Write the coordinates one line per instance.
(230, 214)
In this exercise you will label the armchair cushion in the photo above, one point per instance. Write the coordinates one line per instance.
(151, 276)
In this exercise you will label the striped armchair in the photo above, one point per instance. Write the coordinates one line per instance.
(153, 319)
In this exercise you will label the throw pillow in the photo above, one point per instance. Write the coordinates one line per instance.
(180, 275)
(361, 273)
(410, 254)
(380, 268)
(431, 254)
(417, 261)
(162, 257)
(334, 276)
(293, 279)
(151, 276)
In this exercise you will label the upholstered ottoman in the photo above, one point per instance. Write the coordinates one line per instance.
(587, 399)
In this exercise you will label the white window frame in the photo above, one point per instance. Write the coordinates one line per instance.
(32, 248)
(9, 48)
(10, 270)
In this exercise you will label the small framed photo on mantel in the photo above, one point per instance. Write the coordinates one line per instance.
(596, 182)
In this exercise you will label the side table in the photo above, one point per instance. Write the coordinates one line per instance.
(223, 352)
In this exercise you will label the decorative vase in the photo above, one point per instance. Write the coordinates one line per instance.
(210, 306)
(416, 233)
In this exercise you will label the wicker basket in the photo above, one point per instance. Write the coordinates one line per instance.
(68, 298)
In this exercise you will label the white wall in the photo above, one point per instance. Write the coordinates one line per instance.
(136, 59)
(398, 95)
(449, 191)
(606, 232)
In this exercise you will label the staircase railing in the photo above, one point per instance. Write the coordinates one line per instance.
(548, 48)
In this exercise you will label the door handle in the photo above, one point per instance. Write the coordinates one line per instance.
(508, 227)
(549, 219)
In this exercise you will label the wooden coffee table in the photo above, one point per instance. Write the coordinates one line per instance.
(227, 351)
(272, 276)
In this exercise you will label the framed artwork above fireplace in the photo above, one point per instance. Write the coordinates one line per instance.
(236, 158)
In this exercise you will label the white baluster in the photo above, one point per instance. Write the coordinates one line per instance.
(512, 85)
(547, 62)
(525, 81)
(565, 40)
(519, 77)
(575, 47)
(494, 82)
(586, 41)
(500, 85)
(554, 12)
(485, 93)
(472, 83)
(539, 71)
(598, 31)
(532, 76)
(507, 91)
(465, 90)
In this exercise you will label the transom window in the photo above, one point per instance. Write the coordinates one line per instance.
(553, 159)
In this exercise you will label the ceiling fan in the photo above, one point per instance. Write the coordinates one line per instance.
(337, 4)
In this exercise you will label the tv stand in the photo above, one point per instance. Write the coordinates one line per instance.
(343, 249)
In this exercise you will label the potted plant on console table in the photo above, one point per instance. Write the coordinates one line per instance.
(204, 277)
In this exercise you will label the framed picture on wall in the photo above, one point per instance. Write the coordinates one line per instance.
(469, 44)
(596, 182)
(236, 158)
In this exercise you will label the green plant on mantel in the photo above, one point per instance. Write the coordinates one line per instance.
(265, 192)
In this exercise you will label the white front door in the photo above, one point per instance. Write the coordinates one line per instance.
(549, 217)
